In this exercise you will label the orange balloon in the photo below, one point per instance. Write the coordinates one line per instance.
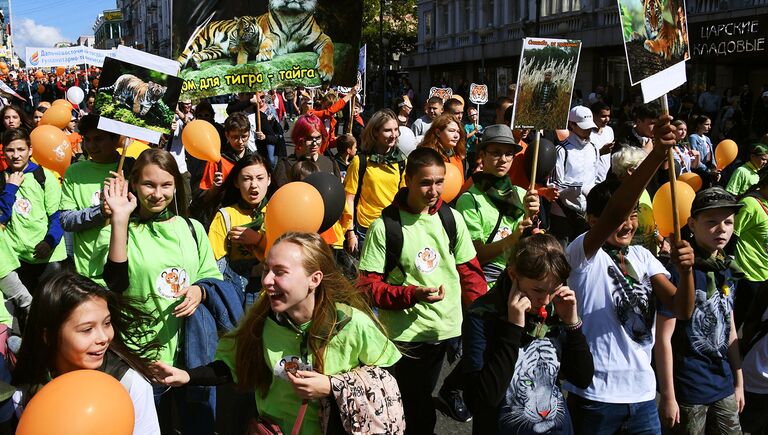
(58, 115)
(40, 89)
(3, 65)
(39, 74)
(296, 206)
(83, 402)
(453, 182)
(201, 139)
(63, 103)
(60, 70)
(725, 153)
(692, 179)
(562, 134)
(662, 206)
(50, 147)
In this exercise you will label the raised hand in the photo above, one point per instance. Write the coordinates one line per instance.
(121, 202)
(565, 305)
(517, 304)
(169, 375)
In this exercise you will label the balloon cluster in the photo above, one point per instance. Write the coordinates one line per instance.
(312, 205)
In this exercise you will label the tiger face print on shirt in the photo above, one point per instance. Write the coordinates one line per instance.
(533, 402)
(635, 306)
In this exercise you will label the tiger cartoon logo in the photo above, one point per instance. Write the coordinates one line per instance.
(427, 260)
(171, 281)
(502, 233)
(478, 94)
(290, 364)
(22, 206)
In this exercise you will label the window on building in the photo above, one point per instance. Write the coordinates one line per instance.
(428, 24)
(445, 20)
(467, 14)
(489, 13)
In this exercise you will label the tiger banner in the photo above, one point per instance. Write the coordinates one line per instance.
(137, 95)
(545, 83)
(230, 46)
(655, 34)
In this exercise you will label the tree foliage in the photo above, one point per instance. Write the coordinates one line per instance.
(400, 27)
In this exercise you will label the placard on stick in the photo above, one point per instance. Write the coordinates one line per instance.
(656, 44)
(444, 93)
(135, 100)
(478, 94)
(545, 83)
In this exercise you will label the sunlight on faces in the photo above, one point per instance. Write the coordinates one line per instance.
(433, 110)
(758, 160)
(621, 237)
(288, 285)
(582, 133)
(449, 136)
(425, 187)
(388, 134)
(11, 119)
(603, 118)
(37, 117)
(17, 155)
(713, 228)
(253, 182)
(682, 131)
(497, 158)
(644, 127)
(155, 189)
(84, 337)
(311, 145)
(238, 139)
(100, 145)
(539, 291)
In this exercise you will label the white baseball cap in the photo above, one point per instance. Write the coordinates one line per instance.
(582, 116)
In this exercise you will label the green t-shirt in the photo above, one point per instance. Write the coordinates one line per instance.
(481, 216)
(751, 226)
(425, 261)
(81, 189)
(744, 177)
(9, 261)
(163, 259)
(29, 222)
(358, 343)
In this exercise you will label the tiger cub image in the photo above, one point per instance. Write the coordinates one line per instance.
(137, 94)
(288, 27)
(237, 37)
(662, 37)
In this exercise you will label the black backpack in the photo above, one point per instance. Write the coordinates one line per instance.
(38, 173)
(393, 228)
(363, 159)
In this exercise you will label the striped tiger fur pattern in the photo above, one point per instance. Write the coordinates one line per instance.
(135, 93)
(237, 37)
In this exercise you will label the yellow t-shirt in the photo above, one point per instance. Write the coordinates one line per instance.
(380, 184)
(340, 228)
(134, 149)
(217, 235)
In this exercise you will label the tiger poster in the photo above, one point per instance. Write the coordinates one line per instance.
(655, 34)
(136, 101)
(545, 83)
(230, 46)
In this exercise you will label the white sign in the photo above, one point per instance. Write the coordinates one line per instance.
(37, 57)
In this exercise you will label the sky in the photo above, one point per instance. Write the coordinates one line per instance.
(42, 23)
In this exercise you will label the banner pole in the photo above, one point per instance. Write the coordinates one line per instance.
(672, 176)
(535, 164)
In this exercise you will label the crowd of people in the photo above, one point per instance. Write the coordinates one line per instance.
(557, 301)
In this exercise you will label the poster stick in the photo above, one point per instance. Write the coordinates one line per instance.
(535, 165)
(87, 81)
(351, 114)
(258, 120)
(672, 175)
(126, 143)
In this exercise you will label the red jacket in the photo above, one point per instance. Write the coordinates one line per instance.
(329, 114)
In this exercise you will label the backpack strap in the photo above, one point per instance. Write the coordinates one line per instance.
(362, 166)
(495, 229)
(445, 212)
(191, 228)
(227, 226)
(393, 238)
(38, 173)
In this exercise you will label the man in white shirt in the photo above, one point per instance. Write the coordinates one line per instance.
(432, 109)
(602, 138)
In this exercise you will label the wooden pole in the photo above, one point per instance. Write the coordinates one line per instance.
(535, 164)
(126, 143)
(672, 176)
(258, 119)
(352, 103)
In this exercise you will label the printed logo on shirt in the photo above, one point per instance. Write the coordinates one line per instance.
(96, 198)
(502, 233)
(22, 206)
(290, 363)
(171, 281)
(533, 401)
(427, 260)
(710, 325)
(635, 306)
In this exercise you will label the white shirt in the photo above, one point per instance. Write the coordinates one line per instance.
(619, 324)
(604, 161)
(755, 365)
(575, 173)
(177, 148)
(420, 127)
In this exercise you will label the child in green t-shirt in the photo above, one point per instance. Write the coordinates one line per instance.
(745, 176)
(83, 211)
(420, 298)
(493, 208)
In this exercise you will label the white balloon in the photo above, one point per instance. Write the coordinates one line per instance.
(407, 141)
(75, 95)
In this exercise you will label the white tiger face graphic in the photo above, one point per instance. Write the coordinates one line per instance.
(635, 307)
(709, 328)
(293, 5)
(533, 400)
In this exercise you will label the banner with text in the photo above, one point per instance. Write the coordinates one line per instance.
(228, 46)
(730, 38)
(38, 57)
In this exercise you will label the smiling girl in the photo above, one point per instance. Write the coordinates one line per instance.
(76, 324)
(309, 323)
(448, 138)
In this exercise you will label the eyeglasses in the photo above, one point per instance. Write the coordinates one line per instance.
(313, 139)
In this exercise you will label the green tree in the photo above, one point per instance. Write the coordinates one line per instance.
(400, 27)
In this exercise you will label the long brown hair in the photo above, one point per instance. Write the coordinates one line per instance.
(376, 123)
(165, 161)
(431, 139)
(250, 363)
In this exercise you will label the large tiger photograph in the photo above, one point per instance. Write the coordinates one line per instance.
(138, 96)
(287, 42)
(655, 35)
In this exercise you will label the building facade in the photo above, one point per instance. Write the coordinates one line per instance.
(107, 30)
(480, 41)
(147, 25)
